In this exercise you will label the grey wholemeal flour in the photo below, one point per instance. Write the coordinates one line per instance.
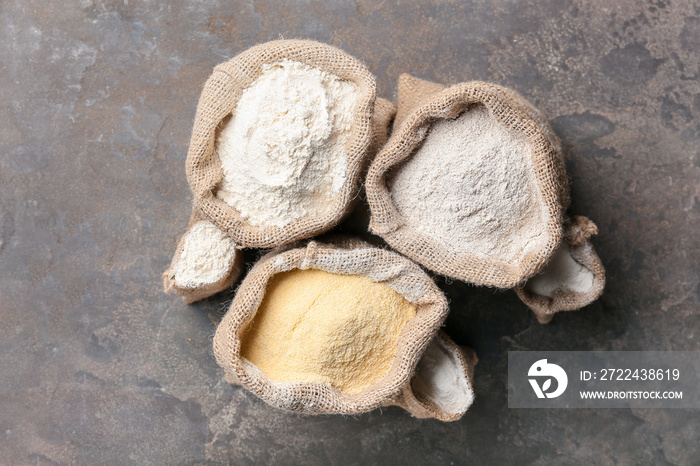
(471, 184)
(482, 199)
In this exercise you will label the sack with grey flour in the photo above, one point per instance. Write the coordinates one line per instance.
(339, 328)
(471, 183)
(281, 136)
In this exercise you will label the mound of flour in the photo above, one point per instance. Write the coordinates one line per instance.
(283, 150)
(207, 256)
(470, 186)
(317, 326)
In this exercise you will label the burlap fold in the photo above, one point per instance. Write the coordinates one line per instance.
(347, 257)
(420, 103)
(192, 294)
(451, 396)
(219, 98)
(577, 234)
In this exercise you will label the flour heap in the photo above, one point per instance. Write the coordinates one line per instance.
(283, 150)
(316, 326)
(207, 257)
(483, 200)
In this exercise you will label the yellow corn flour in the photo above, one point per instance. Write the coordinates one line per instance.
(316, 326)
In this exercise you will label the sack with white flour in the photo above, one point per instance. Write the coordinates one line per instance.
(573, 278)
(281, 135)
(471, 183)
(441, 387)
(334, 328)
(206, 261)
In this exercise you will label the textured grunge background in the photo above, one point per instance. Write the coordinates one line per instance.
(97, 100)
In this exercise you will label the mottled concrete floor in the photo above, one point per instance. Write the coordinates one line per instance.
(97, 99)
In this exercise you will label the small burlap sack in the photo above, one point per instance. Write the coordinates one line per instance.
(219, 98)
(442, 385)
(420, 104)
(191, 294)
(576, 242)
(345, 257)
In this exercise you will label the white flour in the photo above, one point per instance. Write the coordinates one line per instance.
(207, 256)
(562, 273)
(441, 378)
(283, 151)
(470, 186)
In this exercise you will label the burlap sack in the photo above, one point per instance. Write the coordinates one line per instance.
(350, 257)
(196, 293)
(442, 385)
(420, 103)
(577, 234)
(219, 98)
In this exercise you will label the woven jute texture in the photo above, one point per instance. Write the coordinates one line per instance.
(421, 406)
(420, 104)
(346, 257)
(219, 98)
(577, 233)
(192, 294)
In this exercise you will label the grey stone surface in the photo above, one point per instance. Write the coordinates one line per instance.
(97, 99)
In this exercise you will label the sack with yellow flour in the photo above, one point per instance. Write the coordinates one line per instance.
(471, 183)
(281, 135)
(330, 328)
